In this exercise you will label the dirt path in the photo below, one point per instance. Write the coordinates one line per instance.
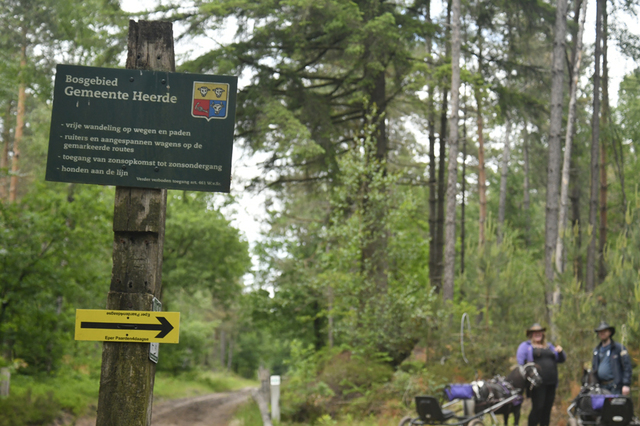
(216, 409)
(209, 410)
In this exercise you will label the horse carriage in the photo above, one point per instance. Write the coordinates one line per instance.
(474, 401)
(598, 407)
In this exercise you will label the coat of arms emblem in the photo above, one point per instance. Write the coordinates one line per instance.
(210, 100)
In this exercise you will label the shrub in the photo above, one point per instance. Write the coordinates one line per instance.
(22, 410)
(321, 383)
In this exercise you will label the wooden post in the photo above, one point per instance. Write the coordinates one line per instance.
(127, 375)
(263, 406)
(5, 381)
(263, 376)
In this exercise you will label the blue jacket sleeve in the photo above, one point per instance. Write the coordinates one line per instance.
(626, 367)
(521, 354)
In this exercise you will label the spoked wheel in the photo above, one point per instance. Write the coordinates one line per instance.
(406, 421)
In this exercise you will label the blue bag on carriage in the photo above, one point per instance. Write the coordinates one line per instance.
(459, 391)
(597, 401)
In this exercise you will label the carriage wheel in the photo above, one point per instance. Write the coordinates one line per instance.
(406, 421)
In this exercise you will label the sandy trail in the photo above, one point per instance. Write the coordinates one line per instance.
(216, 409)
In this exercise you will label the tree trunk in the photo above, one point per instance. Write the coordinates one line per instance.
(590, 281)
(127, 376)
(576, 223)
(452, 181)
(602, 266)
(503, 181)
(4, 159)
(553, 167)
(440, 217)
(439, 261)
(433, 197)
(374, 250)
(526, 196)
(330, 317)
(17, 138)
(482, 176)
(566, 163)
(464, 188)
(555, 127)
(223, 348)
(433, 179)
(230, 356)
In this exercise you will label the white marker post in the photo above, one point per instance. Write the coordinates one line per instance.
(5, 381)
(275, 398)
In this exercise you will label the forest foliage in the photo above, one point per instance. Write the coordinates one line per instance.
(347, 102)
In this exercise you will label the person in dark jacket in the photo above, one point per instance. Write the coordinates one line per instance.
(611, 362)
(546, 356)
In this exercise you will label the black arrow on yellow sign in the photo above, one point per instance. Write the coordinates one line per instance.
(164, 327)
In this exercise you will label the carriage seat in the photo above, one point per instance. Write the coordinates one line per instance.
(617, 411)
(429, 410)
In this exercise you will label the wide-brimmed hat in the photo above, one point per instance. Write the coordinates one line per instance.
(535, 327)
(604, 326)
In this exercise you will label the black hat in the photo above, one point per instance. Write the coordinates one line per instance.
(535, 327)
(604, 326)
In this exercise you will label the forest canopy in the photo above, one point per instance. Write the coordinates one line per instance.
(419, 160)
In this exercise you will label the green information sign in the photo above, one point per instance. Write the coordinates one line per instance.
(148, 129)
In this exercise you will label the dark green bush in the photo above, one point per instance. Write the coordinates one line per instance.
(26, 410)
(324, 382)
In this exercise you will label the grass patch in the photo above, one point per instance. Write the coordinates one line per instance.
(196, 383)
(350, 420)
(38, 400)
(248, 414)
(72, 393)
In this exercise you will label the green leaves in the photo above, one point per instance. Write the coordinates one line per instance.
(48, 239)
(202, 250)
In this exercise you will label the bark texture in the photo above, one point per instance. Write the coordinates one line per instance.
(526, 199)
(433, 195)
(464, 189)
(4, 159)
(606, 111)
(433, 178)
(568, 144)
(555, 128)
(482, 177)
(442, 188)
(17, 138)
(127, 375)
(442, 184)
(504, 171)
(590, 276)
(452, 181)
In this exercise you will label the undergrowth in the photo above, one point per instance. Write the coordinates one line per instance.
(248, 414)
(39, 400)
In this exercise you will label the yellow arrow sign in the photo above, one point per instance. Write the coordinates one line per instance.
(127, 326)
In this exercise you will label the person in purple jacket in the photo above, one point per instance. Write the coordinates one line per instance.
(546, 356)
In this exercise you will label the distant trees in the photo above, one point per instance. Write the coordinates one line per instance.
(36, 35)
(354, 108)
(318, 70)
